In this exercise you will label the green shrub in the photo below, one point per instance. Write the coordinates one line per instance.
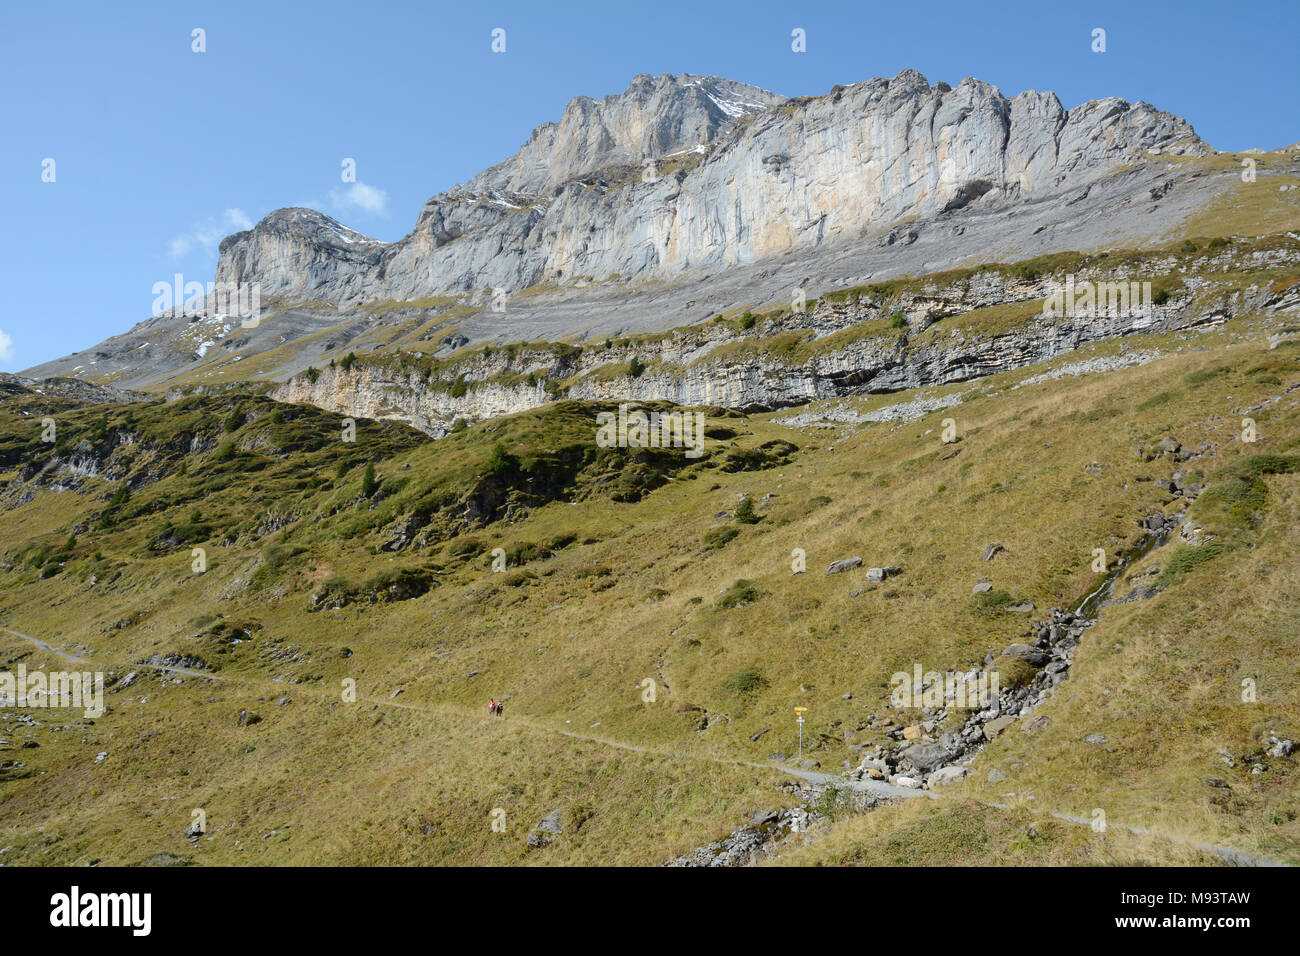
(465, 547)
(745, 682)
(1201, 376)
(741, 592)
(459, 388)
(1185, 558)
(1270, 464)
(748, 320)
(368, 483)
(501, 462)
(1231, 502)
(1158, 399)
(745, 512)
(635, 367)
(716, 538)
(996, 600)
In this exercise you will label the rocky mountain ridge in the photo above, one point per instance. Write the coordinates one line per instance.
(756, 175)
(678, 200)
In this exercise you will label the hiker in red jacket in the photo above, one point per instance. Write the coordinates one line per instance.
(492, 706)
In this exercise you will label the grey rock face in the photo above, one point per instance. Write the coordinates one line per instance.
(751, 196)
(747, 175)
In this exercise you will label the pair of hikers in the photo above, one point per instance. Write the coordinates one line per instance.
(494, 707)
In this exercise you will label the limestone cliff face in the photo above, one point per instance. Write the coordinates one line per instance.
(739, 174)
(716, 365)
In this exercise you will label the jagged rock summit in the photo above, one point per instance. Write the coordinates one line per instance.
(685, 172)
(678, 199)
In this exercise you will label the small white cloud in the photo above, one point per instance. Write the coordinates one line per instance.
(6, 348)
(360, 196)
(239, 219)
(207, 234)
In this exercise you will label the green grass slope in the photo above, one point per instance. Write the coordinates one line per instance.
(366, 565)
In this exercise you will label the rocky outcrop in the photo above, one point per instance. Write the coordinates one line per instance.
(934, 753)
(746, 175)
(719, 365)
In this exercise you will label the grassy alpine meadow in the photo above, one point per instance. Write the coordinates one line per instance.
(300, 627)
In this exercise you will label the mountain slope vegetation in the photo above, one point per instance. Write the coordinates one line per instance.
(518, 560)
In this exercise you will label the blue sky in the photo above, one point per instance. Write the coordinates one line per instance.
(160, 151)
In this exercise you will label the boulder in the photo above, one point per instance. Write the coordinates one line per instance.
(946, 775)
(876, 575)
(844, 564)
(1027, 653)
(547, 829)
(925, 756)
(1035, 724)
(995, 726)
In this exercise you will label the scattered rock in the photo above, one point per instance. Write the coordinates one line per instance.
(991, 550)
(1035, 724)
(946, 775)
(844, 564)
(1027, 653)
(550, 826)
(996, 726)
